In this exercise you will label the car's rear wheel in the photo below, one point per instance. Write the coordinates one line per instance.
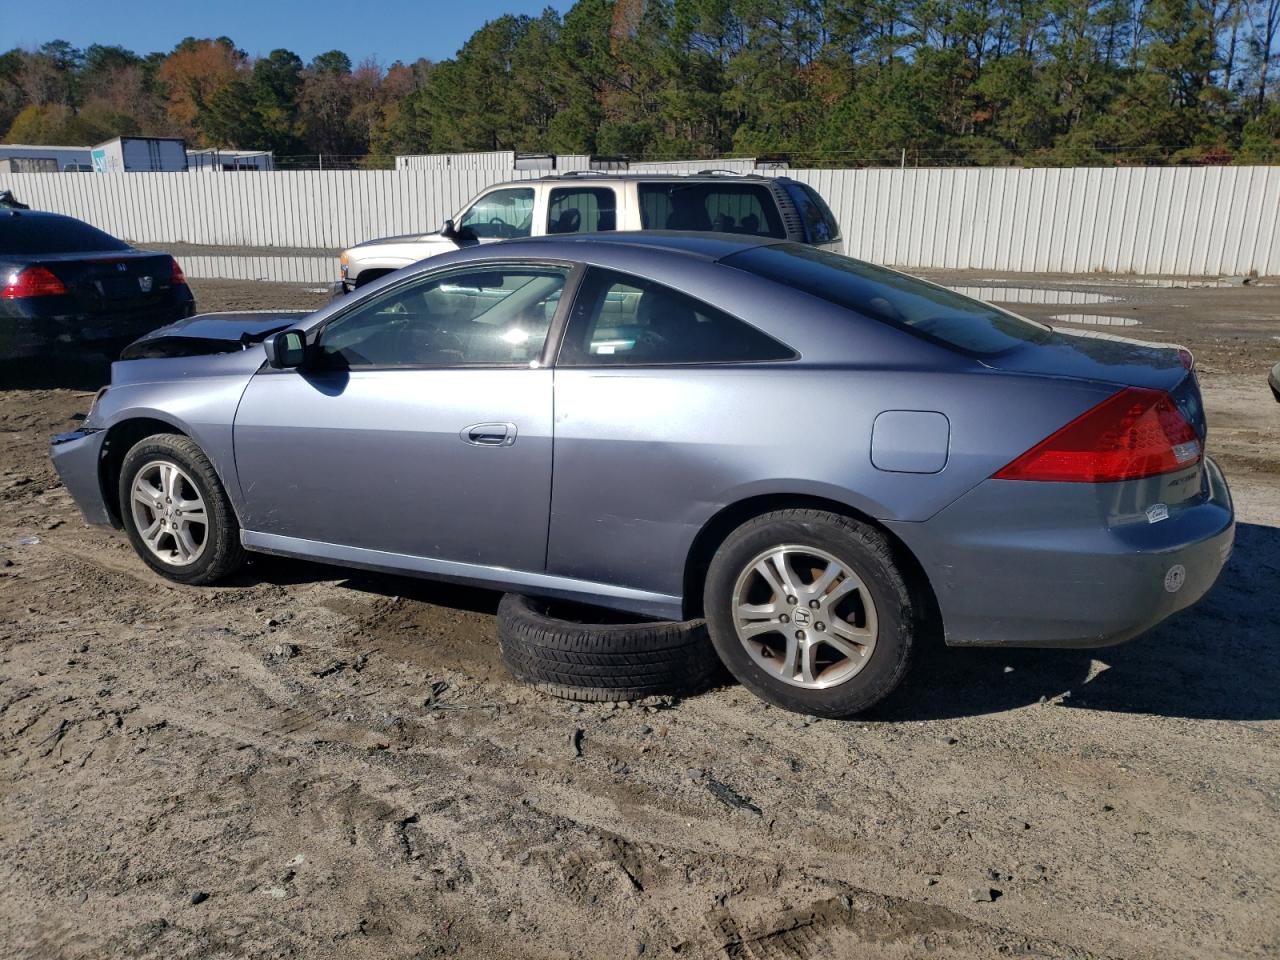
(176, 513)
(809, 611)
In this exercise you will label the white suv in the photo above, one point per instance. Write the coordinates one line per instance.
(584, 202)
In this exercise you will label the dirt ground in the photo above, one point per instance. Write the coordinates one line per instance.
(310, 762)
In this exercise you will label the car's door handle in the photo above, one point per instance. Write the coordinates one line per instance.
(489, 434)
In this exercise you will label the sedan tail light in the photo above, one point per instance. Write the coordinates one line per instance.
(177, 278)
(1134, 433)
(32, 282)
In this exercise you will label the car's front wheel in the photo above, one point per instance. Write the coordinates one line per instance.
(176, 513)
(809, 611)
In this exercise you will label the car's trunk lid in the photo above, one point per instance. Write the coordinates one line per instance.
(114, 282)
(1107, 358)
(1124, 362)
(1089, 355)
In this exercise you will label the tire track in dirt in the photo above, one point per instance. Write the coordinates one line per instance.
(380, 788)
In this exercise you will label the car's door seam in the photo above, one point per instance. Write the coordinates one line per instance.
(551, 484)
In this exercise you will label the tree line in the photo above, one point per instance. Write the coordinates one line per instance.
(827, 82)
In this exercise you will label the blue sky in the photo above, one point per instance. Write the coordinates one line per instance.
(387, 29)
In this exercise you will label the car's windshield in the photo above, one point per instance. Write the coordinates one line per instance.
(500, 214)
(891, 297)
(28, 236)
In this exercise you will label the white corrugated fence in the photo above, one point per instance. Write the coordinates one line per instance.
(1182, 221)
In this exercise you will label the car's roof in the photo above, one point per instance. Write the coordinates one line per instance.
(702, 246)
(708, 174)
(41, 214)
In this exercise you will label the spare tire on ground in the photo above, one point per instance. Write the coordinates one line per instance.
(574, 652)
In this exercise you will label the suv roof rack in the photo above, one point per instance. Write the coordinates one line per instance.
(578, 173)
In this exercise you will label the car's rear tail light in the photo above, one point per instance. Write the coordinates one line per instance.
(1134, 433)
(31, 282)
(177, 277)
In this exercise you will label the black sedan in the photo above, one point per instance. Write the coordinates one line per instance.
(67, 288)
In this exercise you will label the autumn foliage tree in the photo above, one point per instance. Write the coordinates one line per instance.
(192, 76)
(837, 82)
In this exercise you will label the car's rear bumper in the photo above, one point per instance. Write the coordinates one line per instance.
(29, 330)
(75, 456)
(1014, 564)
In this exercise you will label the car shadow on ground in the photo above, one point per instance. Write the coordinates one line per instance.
(1220, 660)
(41, 373)
(283, 571)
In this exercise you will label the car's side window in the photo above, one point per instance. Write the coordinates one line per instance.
(618, 319)
(501, 215)
(582, 210)
(747, 208)
(820, 223)
(491, 316)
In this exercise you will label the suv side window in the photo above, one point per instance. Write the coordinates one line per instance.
(491, 315)
(501, 215)
(619, 319)
(582, 210)
(746, 208)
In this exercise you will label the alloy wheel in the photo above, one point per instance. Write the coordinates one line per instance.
(169, 513)
(804, 616)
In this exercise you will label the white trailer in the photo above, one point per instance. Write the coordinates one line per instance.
(28, 165)
(736, 165)
(140, 155)
(64, 158)
(484, 160)
(505, 160)
(215, 160)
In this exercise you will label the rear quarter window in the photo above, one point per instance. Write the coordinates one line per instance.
(819, 222)
(30, 236)
(935, 313)
(621, 320)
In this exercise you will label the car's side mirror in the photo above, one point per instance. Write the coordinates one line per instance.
(286, 349)
(448, 231)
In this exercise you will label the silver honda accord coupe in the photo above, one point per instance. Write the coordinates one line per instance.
(826, 459)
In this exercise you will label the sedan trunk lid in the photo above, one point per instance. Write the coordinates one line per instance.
(113, 282)
(1106, 358)
(1091, 355)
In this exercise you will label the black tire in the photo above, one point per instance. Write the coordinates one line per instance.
(862, 549)
(570, 657)
(221, 554)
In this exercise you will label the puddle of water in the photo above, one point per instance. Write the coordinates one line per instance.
(1167, 283)
(1095, 321)
(1035, 295)
(276, 269)
(1162, 282)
